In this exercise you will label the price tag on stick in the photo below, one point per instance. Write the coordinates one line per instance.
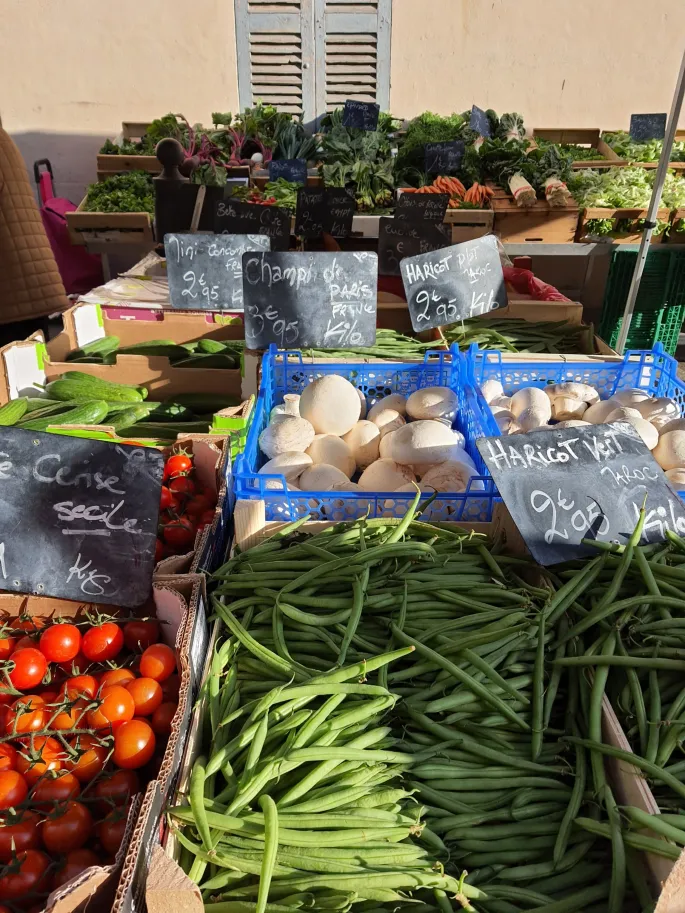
(589, 482)
(310, 299)
(361, 114)
(400, 238)
(237, 218)
(205, 271)
(310, 215)
(644, 127)
(461, 281)
(78, 518)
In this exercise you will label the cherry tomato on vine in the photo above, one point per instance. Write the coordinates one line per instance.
(158, 662)
(67, 828)
(177, 465)
(134, 744)
(116, 677)
(80, 686)
(28, 876)
(117, 789)
(75, 862)
(92, 757)
(26, 641)
(147, 695)
(182, 485)
(139, 635)
(76, 666)
(8, 756)
(206, 519)
(51, 790)
(13, 788)
(165, 498)
(162, 717)
(7, 646)
(22, 829)
(30, 667)
(159, 550)
(28, 624)
(111, 831)
(60, 643)
(36, 758)
(117, 706)
(198, 504)
(103, 642)
(179, 533)
(71, 717)
(26, 714)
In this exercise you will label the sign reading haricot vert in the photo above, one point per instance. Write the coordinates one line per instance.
(563, 486)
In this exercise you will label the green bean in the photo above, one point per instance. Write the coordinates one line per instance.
(359, 585)
(618, 854)
(271, 838)
(573, 807)
(636, 841)
(657, 823)
(537, 712)
(575, 902)
(623, 661)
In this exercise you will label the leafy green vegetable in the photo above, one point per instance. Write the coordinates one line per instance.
(510, 125)
(577, 153)
(613, 188)
(427, 128)
(648, 151)
(284, 193)
(292, 142)
(130, 192)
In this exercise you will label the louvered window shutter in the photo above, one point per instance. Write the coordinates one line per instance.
(275, 44)
(352, 41)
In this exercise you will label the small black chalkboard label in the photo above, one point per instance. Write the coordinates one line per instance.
(647, 126)
(205, 271)
(443, 158)
(293, 170)
(78, 518)
(360, 114)
(563, 486)
(400, 238)
(236, 218)
(310, 215)
(465, 280)
(479, 121)
(430, 206)
(340, 209)
(304, 299)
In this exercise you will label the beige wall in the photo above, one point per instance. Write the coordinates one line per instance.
(572, 63)
(72, 70)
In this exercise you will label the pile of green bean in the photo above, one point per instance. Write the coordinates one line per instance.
(481, 721)
(516, 335)
(389, 345)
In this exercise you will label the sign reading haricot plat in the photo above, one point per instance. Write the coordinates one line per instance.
(78, 518)
(302, 300)
(588, 482)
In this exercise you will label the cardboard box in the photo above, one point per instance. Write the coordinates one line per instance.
(582, 137)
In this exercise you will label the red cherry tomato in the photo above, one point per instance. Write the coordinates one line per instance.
(8, 756)
(26, 641)
(80, 686)
(26, 714)
(179, 533)
(72, 716)
(91, 759)
(43, 753)
(162, 718)
(111, 831)
(177, 465)
(198, 504)
(134, 744)
(75, 862)
(103, 642)
(28, 623)
(23, 829)
(51, 790)
(67, 828)
(182, 486)
(116, 677)
(117, 706)
(159, 550)
(60, 643)
(206, 519)
(30, 667)
(170, 688)
(139, 635)
(117, 789)
(158, 662)
(28, 876)
(13, 788)
(7, 646)
(165, 498)
(147, 695)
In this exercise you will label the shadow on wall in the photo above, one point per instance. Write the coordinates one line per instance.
(73, 159)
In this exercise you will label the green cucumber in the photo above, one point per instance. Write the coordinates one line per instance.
(53, 409)
(84, 414)
(33, 403)
(210, 346)
(12, 411)
(128, 417)
(137, 346)
(168, 350)
(165, 412)
(81, 387)
(105, 346)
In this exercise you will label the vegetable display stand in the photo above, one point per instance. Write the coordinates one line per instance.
(541, 222)
(108, 165)
(109, 228)
(289, 372)
(660, 306)
(469, 224)
(676, 228)
(630, 234)
(587, 139)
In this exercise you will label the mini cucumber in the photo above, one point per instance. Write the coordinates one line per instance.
(210, 347)
(34, 403)
(105, 346)
(12, 411)
(166, 412)
(53, 409)
(84, 414)
(81, 387)
(168, 350)
(128, 417)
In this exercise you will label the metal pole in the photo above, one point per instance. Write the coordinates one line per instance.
(650, 223)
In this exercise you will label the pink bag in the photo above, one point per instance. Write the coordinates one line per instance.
(80, 270)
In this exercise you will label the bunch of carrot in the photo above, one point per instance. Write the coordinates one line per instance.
(477, 194)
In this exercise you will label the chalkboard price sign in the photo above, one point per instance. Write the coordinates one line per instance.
(310, 215)
(647, 126)
(443, 158)
(479, 121)
(461, 281)
(78, 518)
(205, 271)
(420, 206)
(400, 238)
(318, 299)
(563, 486)
(361, 114)
(340, 209)
(293, 170)
(237, 218)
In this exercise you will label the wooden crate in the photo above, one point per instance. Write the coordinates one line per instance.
(260, 178)
(581, 136)
(107, 165)
(628, 237)
(676, 237)
(541, 222)
(468, 224)
(109, 227)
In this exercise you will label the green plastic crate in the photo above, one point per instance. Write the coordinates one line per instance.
(660, 306)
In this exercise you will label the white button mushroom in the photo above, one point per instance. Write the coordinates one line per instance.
(506, 423)
(363, 440)
(491, 389)
(328, 448)
(567, 407)
(387, 420)
(290, 464)
(584, 392)
(331, 404)
(438, 403)
(288, 433)
(622, 414)
(362, 400)
(289, 406)
(321, 477)
(533, 417)
(673, 424)
(501, 403)
(346, 486)
(670, 451)
(662, 405)
(598, 412)
(395, 401)
(630, 397)
(571, 423)
(676, 477)
(453, 475)
(535, 403)
(385, 475)
(421, 444)
(647, 431)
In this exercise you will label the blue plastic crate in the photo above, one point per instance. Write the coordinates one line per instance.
(654, 371)
(285, 371)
